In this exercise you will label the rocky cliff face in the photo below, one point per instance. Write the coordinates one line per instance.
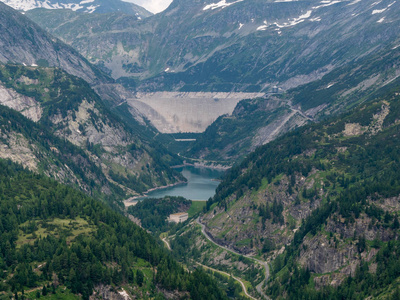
(34, 147)
(28, 106)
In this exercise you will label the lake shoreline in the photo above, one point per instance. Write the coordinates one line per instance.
(131, 201)
(201, 184)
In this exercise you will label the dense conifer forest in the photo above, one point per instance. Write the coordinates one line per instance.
(53, 235)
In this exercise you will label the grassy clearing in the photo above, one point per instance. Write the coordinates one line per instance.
(68, 228)
(196, 207)
(62, 293)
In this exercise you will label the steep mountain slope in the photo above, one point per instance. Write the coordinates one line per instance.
(87, 6)
(237, 45)
(325, 197)
(71, 110)
(256, 122)
(24, 42)
(56, 242)
(253, 123)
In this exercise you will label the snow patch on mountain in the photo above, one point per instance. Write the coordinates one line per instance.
(92, 8)
(295, 21)
(326, 3)
(379, 11)
(220, 4)
(354, 2)
(290, 23)
(32, 4)
(88, 6)
(263, 27)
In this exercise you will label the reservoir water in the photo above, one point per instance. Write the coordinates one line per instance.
(201, 185)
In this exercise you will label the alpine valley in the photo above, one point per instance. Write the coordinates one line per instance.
(101, 100)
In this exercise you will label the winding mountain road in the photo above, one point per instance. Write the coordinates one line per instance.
(234, 277)
(218, 271)
(263, 263)
(167, 244)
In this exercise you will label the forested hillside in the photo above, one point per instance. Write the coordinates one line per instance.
(328, 195)
(54, 237)
(67, 108)
(153, 213)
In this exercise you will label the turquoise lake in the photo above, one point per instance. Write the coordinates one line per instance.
(201, 185)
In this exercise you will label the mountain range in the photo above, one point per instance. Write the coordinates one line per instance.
(312, 202)
(247, 46)
(227, 46)
(267, 118)
(87, 6)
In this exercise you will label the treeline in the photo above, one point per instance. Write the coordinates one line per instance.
(115, 252)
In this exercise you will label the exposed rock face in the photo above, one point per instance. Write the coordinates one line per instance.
(172, 112)
(352, 129)
(28, 106)
(281, 125)
(322, 257)
(110, 153)
(243, 220)
(95, 132)
(18, 149)
(108, 293)
(25, 151)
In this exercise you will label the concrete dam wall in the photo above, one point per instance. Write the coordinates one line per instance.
(172, 112)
